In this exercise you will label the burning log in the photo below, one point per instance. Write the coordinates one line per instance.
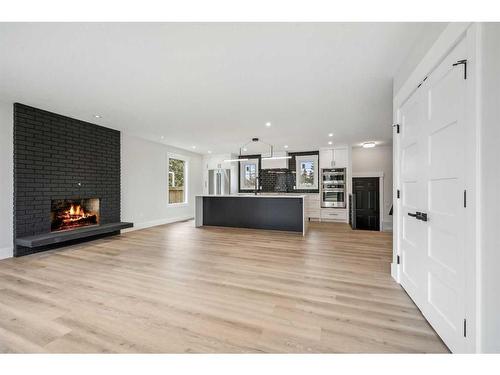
(74, 217)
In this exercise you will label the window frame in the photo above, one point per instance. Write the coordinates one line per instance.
(314, 158)
(186, 179)
(252, 159)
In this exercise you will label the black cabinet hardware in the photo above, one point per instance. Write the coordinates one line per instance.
(412, 215)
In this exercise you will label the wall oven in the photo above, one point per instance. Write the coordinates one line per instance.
(333, 187)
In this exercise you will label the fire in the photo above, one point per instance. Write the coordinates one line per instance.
(75, 212)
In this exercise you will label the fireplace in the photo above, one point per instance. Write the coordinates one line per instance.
(69, 214)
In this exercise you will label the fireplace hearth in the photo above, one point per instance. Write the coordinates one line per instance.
(67, 214)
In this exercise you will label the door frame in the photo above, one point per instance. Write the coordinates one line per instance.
(451, 36)
(380, 176)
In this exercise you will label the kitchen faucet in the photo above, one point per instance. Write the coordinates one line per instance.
(256, 191)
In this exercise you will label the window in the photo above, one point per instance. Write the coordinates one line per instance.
(306, 172)
(176, 181)
(249, 172)
(250, 175)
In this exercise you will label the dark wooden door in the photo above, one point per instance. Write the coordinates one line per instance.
(367, 201)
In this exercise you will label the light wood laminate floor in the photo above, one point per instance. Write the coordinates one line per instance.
(176, 289)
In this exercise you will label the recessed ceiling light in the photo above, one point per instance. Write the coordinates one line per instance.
(97, 116)
(369, 144)
(330, 142)
(193, 147)
(162, 137)
(285, 146)
(268, 124)
(330, 134)
(209, 151)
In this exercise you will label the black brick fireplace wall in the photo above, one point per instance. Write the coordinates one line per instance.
(57, 157)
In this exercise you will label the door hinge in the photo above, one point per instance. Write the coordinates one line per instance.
(398, 193)
(464, 63)
(398, 259)
(397, 127)
(465, 198)
(465, 327)
(420, 84)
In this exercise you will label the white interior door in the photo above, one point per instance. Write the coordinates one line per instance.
(444, 199)
(412, 123)
(432, 154)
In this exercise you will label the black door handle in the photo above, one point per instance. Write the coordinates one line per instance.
(422, 216)
(419, 216)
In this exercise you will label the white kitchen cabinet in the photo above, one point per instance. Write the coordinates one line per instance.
(325, 158)
(334, 214)
(217, 161)
(212, 163)
(333, 158)
(340, 158)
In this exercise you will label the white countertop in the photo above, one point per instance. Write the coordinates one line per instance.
(254, 196)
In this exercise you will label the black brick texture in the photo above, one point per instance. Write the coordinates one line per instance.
(277, 180)
(57, 157)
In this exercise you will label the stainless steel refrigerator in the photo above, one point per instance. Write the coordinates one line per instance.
(219, 181)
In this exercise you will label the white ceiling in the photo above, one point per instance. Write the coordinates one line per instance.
(213, 85)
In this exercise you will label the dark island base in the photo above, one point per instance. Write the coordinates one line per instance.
(258, 213)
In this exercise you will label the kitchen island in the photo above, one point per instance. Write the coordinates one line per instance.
(272, 212)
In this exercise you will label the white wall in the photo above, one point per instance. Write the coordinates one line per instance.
(419, 49)
(144, 183)
(377, 159)
(6, 179)
(490, 188)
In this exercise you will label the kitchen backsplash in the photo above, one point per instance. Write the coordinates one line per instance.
(277, 180)
(282, 180)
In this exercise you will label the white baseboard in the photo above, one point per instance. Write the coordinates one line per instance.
(387, 226)
(6, 252)
(394, 271)
(154, 223)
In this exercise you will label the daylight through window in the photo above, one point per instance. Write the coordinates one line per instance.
(176, 178)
